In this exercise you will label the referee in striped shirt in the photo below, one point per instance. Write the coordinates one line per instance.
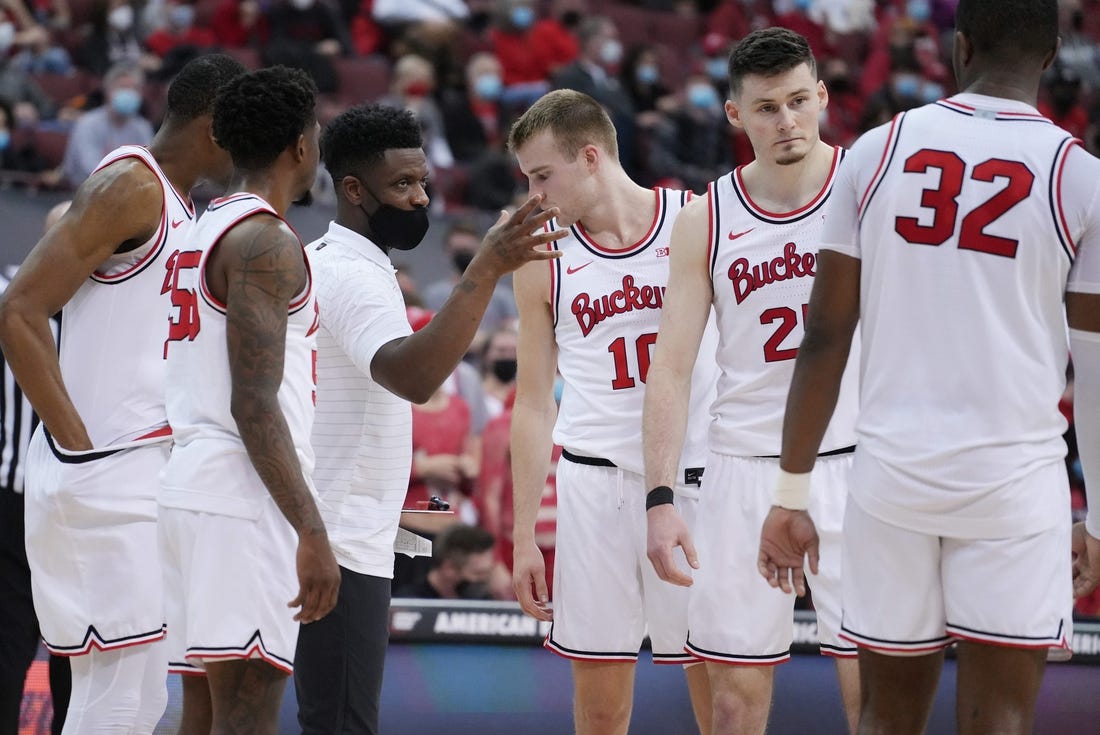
(18, 624)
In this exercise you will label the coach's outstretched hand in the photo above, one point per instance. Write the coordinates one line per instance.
(787, 538)
(318, 578)
(518, 238)
(1086, 561)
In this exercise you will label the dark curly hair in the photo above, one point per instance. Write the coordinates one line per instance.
(358, 137)
(193, 90)
(259, 114)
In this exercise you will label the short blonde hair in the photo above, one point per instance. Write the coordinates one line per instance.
(573, 118)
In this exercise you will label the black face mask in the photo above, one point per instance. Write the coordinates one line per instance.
(504, 370)
(462, 261)
(571, 18)
(399, 229)
(467, 590)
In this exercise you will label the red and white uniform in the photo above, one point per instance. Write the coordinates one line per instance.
(762, 267)
(967, 216)
(607, 308)
(227, 590)
(96, 510)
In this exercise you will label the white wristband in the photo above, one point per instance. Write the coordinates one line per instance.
(792, 490)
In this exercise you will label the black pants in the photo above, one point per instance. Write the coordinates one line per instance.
(338, 664)
(18, 624)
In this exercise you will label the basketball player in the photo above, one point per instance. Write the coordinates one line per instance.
(237, 512)
(954, 235)
(749, 247)
(593, 315)
(369, 366)
(92, 467)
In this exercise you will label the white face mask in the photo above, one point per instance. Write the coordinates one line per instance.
(302, 4)
(121, 18)
(7, 36)
(611, 52)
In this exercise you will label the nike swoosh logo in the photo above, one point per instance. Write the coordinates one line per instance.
(733, 236)
(571, 269)
(176, 223)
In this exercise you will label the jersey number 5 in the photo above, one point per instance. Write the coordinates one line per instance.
(942, 201)
(183, 321)
(643, 349)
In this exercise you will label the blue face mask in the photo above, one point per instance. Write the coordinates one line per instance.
(5, 139)
(523, 17)
(702, 96)
(647, 74)
(907, 85)
(181, 16)
(919, 10)
(931, 92)
(803, 5)
(488, 86)
(126, 102)
(717, 68)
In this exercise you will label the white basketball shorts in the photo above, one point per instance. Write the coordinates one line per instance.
(227, 583)
(909, 593)
(606, 593)
(92, 545)
(734, 616)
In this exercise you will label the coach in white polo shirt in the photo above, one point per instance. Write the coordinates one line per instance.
(369, 366)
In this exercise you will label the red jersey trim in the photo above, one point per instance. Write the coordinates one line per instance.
(1058, 210)
(159, 238)
(884, 162)
(658, 217)
(998, 115)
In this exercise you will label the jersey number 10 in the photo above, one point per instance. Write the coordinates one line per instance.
(643, 350)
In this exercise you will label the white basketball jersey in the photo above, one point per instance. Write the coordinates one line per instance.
(966, 237)
(112, 330)
(607, 308)
(762, 267)
(209, 469)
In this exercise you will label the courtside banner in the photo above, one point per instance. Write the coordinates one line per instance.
(470, 621)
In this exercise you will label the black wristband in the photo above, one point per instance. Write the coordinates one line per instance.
(660, 495)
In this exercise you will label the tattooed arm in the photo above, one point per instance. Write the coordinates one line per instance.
(259, 267)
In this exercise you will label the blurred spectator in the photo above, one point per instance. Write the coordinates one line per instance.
(1061, 100)
(909, 36)
(445, 451)
(525, 66)
(472, 114)
(460, 244)
(34, 25)
(842, 17)
(112, 36)
(239, 23)
(411, 88)
(307, 34)
(904, 89)
(498, 366)
(640, 77)
(692, 143)
(16, 155)
(595, 72)
(117, 122)
(178, 30)
(1077, 50)
(554, 35)
(28, 102)
(461, 566)
(494, 494)
(840, 121)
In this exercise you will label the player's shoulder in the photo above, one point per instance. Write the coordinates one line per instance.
(126, 180)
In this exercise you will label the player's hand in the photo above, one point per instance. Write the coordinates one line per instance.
(787, 538)
(318, 578)
(665, 530)
(1086, 561)
(518, 238)
(529, 572)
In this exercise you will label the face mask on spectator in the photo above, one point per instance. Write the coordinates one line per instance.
(717, 68)
(126, 102)
(931, 92)
(302, 4)
(121, 18)
(919, 10)
(5, 139)
(702, 96)
(488, 86)
(803, 5)
(907, 85)
(462, 260)
(647, 74)
(181, 17)
(523, 16)
(611, 52)
(7, 37)
(419, 88)
(504, 370)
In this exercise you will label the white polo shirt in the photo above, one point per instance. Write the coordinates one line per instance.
(362, 433)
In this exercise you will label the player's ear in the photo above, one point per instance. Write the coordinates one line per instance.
(300, 147)
(822, 95)
(352, 189)
(733, 114)
(591, 155)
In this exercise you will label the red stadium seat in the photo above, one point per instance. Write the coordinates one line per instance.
(362, 78)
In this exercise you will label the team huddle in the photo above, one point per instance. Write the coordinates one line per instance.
(835, 370)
